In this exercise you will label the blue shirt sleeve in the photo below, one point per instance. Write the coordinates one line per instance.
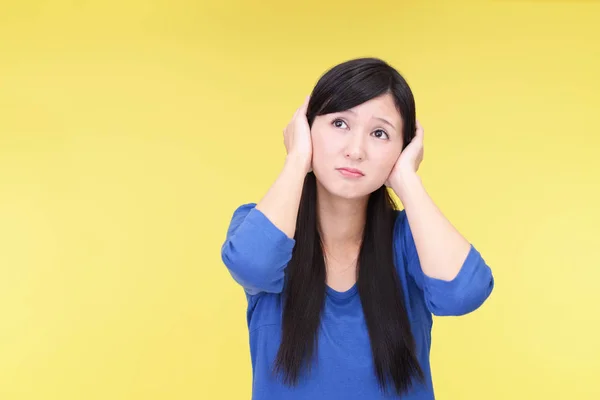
(462, 295)
(255, 251)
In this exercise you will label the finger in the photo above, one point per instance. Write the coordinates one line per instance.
(304, 106)
(419, 130)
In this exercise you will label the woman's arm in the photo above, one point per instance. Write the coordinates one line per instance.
(281, 202)
(454, 277)
(465, 292)
(442, 249)
(260, 238)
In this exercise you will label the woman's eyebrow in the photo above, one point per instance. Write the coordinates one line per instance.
(386, 121)
(379, 118)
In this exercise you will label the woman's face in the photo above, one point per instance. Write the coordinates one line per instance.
(355, 150)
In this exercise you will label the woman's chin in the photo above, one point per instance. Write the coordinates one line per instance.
(346, 191)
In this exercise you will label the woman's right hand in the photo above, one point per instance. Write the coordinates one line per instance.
(297, 139)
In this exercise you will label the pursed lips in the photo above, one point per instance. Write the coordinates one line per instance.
(350, 172)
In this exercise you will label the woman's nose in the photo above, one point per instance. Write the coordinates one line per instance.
(355, 148)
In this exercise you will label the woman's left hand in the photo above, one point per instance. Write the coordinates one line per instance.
(409, 161)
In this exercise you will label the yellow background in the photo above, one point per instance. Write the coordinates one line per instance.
(130, 131)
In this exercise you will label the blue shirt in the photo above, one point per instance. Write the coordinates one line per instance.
(256, 253)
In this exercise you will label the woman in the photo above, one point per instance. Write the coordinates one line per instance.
(341, 285)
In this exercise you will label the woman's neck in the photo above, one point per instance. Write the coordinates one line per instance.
(341, 223)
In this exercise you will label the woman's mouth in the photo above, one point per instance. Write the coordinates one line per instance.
(350, 172)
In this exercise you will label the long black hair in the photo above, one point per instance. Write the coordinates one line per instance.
(344, 86)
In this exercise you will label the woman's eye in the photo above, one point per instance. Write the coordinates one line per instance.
(338, 123)
(380, 134)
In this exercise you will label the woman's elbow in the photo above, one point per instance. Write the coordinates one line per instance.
(461, 301)
(252, 271)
